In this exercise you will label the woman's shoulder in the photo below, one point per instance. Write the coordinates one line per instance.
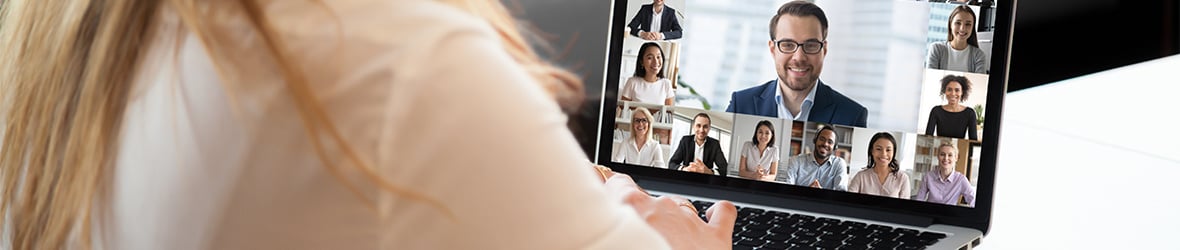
(938, 110)
(902, 174)
(375, 24)
(940, 46)
(976, 50)
(861, 173)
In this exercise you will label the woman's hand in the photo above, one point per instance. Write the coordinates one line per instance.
(675, 218)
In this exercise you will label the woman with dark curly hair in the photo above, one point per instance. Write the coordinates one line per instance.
(953, 119)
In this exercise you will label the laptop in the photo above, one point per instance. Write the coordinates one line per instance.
(879, 133)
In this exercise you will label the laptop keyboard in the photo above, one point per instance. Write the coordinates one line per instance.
(761, 229)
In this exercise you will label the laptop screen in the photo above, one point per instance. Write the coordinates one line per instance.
(884, 98)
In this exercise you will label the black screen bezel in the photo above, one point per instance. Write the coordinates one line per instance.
(978, 217)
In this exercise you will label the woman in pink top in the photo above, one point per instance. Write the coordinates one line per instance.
(268, 124)
(883, 176)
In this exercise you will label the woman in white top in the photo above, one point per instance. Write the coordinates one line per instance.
(648, 85)
(760, 156)
(257, 124)
(640, 148)
(960, 52)
(883, 176)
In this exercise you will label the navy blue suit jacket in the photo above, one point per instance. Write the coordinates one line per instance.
(829, 107)
(669, 25)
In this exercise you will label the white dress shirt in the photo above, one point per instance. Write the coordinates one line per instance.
(650, 155)
(755, 158)
(804, 110)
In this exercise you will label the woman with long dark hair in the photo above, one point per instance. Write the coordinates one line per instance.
(960, 52)
(882, 176)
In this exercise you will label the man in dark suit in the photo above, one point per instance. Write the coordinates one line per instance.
(699, 152)
(798, 44)
(668, 26)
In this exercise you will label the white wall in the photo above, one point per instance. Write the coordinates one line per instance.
(931, 94)
(743, 131)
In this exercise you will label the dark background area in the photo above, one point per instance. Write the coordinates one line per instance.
(1060, 39)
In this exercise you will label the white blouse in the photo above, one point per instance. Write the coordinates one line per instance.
(755, 158)
(650, 155)
(423, 92)
(641, 90)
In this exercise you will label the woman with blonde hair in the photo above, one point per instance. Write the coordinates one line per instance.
(259, 124)
(639, 147)
(943, 184)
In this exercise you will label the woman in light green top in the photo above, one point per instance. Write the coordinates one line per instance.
(960, 52)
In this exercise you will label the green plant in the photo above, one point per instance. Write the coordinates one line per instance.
(704, 101)
(979, 114)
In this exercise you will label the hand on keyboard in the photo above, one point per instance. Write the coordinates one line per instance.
(676, 218)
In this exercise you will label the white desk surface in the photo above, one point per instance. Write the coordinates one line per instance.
(1091, 163)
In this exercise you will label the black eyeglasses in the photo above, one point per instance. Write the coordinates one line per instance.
(809, 47)
(641, 120)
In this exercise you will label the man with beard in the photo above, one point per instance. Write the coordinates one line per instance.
(798, 44)
(698, 152)
(819, 169)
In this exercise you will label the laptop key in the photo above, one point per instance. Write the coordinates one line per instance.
(742, 247)
(754, 234)
(837, 228)
(748, 242)
(860, 232)
(880, 228)
(779, 214)
(828, 220)
(853, 224)
(910, 247)
(774, 245)
(834, 237)
(859, 240)
(784, 230)
(829, 244)
(808, 233)
(932, 235)
(885, 235)
(927, 241)
(777, 237)
(851, 247)
(885, 244)
(802, 241)
(812, 225)
(905, 231)
(803, 217)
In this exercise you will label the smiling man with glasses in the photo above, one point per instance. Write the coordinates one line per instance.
(798, 33)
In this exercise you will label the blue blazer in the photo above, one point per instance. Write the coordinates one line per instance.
(669, 25)
(829, 107)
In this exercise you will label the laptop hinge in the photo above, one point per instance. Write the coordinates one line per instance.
(786, 203)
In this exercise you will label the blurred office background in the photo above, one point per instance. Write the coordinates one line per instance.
(1054, 39)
